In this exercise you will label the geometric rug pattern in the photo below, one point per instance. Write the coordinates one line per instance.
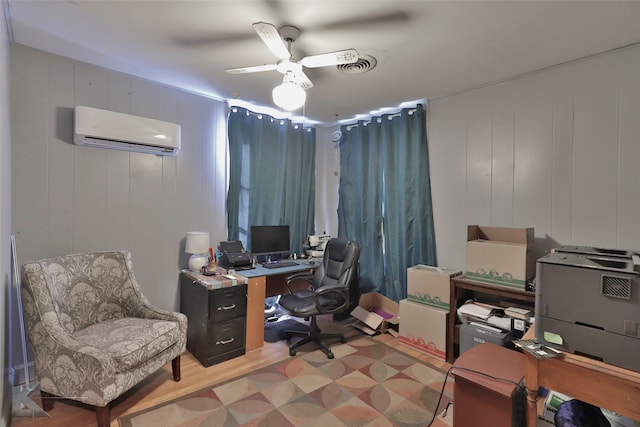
(367, 384)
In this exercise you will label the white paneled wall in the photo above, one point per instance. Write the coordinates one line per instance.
(558, 150)
(68, 198)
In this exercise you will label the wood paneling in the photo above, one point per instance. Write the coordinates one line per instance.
(69, 198)
(596, 153)
(571, 137)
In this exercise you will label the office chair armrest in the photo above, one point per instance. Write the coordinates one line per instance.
(304, 276)
(334, 292)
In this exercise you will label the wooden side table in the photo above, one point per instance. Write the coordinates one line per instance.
(462, 288)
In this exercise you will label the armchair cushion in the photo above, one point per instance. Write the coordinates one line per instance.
(130, 341)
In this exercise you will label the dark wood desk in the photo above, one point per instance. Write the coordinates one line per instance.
(588, 380)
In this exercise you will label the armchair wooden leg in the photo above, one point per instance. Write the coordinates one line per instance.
(175, 367)
(47, 400)
(102, 416)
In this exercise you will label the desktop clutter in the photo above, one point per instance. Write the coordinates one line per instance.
(314, 245)
(586, 303)
(232, 255)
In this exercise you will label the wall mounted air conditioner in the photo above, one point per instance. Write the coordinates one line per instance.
(108, 129)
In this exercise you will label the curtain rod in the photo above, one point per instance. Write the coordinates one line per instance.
(281, 121)
(379, 119)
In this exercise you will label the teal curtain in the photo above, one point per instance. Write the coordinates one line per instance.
(385, 198)
(271, 176)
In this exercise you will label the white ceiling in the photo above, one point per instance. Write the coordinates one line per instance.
(425, 49)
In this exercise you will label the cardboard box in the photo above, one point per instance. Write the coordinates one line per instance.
(376, 314)
(424, 328)
(429, 285)
(551, 403)
(501, 256)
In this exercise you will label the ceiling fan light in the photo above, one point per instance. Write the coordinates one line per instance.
(289, 96)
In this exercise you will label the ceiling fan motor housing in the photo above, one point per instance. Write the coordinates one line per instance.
(289, 33)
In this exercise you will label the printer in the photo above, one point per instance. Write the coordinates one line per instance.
(234, 256)
(588, 303)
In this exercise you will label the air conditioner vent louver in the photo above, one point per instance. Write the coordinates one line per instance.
(616, 287)
(364, 64)
(118, 131)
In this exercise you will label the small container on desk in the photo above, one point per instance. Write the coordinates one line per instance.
(216, 308)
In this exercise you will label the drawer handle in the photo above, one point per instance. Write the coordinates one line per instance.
(227, 307)
(225, 341)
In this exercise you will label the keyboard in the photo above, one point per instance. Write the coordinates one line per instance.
(280, 264)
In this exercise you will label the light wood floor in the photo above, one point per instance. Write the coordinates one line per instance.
(160, 387)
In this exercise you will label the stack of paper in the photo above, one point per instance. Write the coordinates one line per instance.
(473, 310)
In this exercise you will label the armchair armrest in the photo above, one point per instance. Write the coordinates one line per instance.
(147, 310)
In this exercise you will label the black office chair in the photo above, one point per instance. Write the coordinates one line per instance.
(329, 292)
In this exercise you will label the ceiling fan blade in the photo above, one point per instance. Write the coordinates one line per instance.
(333, 58)
(254, 69)
(302, 80)
(271, 37)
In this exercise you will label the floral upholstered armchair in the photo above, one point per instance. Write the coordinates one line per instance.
(92, 332)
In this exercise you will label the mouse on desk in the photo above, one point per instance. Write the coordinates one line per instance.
(311, 262)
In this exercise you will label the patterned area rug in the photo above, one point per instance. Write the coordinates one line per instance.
(366, 384)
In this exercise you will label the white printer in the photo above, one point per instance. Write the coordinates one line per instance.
(588, 303)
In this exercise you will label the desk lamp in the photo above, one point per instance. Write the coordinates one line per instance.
(198, 245)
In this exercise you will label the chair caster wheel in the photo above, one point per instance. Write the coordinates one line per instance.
(330, 355)
(292, 352)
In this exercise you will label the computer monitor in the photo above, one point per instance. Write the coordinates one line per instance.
(270, 240)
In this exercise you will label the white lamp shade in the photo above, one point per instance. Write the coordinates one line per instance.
(197, 242)
(289, 96)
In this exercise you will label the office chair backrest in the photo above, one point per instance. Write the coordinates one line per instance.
(339, 263)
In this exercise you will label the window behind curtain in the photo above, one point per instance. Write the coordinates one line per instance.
(385, 198)
(271, 176)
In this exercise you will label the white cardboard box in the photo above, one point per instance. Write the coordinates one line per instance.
(376, 314)
(501, 256)
(429, 285)
(424, 328)
(551, 403)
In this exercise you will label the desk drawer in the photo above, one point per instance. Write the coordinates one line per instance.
(226, 336)
(227, 303)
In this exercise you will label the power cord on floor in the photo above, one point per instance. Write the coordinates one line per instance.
(435, 410)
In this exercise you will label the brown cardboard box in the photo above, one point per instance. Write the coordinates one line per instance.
(429, 285)
(501, 256)
(376, 314)
(424, 328)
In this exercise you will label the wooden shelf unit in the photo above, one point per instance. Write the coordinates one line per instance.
(462, 289)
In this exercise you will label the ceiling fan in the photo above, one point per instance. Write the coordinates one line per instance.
(279, 42)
